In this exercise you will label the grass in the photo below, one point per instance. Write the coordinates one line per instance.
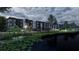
(18, 45)
(25, 43)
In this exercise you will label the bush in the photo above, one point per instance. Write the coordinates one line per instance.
(25, 43)
(20, 45)
(2, 23)
(14, 29)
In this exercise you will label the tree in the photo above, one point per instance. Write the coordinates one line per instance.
(3, 19)
(2, 23)
(73, 25)
(3, 9)
(66, 25)
(14, 29)
(52, 19)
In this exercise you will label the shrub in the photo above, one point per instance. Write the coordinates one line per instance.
(14, 29)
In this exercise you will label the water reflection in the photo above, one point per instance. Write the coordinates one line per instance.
(51, 44)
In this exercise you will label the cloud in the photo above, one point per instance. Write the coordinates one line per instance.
(42, 13)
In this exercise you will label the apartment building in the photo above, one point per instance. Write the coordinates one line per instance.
(30, 24)
(12, 22)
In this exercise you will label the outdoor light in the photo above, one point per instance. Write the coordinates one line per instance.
(25, 26)
(22, 30)
(65, 30)
(56, 29)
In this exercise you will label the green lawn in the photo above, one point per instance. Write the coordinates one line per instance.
(24, 43)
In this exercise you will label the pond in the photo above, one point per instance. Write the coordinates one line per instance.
(50, 44)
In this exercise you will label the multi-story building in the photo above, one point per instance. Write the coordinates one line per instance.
(31, 25)
(38, 26)
(12, 22)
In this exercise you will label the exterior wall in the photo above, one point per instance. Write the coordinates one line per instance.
(11, 22)
(61, 26)
(42, 26)
(19, 23)
(28, 22)
(31, 25)
(55, 26)
(34, 26)
(46, 26)
(3, 26)
(38, 25)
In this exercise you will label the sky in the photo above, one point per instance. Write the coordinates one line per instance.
(42, 13)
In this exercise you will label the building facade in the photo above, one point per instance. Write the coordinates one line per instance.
(30, 24)
(12, 22)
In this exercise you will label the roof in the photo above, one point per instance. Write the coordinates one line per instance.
(15, 17)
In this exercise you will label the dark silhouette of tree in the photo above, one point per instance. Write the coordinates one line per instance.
(66, 25)
(70, 26)
(73, 25)
(3, 9)
(52, 19)
(3, 19)
(2, 23)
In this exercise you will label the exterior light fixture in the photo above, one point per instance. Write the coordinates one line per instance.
(65, 30)
(22, 30)
(25, 26)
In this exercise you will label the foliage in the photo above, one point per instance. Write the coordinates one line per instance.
(66, 25)
(2, 23)
(14, 29)
(3, 9)
(69, 26)
(73, 25)
(52, 19)
(24, 43)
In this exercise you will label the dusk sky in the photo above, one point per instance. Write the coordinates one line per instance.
(42, 13)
